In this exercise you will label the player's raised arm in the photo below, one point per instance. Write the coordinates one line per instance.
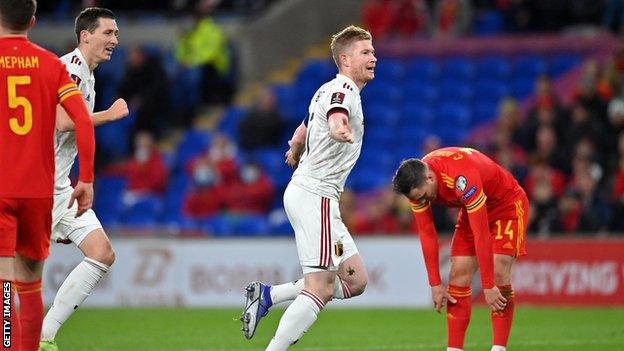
(297, 145)
(117, 110)
(339, 127)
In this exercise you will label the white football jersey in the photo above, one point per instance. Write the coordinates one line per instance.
(326, 163)
(65, 150)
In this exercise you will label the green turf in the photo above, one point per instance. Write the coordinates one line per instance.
(534, 329)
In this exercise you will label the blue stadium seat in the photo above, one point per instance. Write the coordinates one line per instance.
(422, 69)
(458, 68)
(145, 212)
(285, 94)
(564, 62)
(382, 91)
(421, 92)
(529, 67)
(493, 67)
(379, 114)
(317, 71)
(488, 23)
(451, 136)
(522, 87)
(417, 115)
(456, 91)
(194, 143)
(453, 116)
(491, 90)
(368, 178)
(484, 111)
(230, 120)
(390, 70)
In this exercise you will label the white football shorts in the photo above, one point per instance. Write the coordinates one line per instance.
(323, 241)
(66, 226)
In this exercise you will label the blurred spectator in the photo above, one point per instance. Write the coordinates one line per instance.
(518, 15)
(146, 171)
(594, 212)
(584, 126)
(205, 45)
(251, 193)
(543, 208)
(508, 120)
(146, 88)
(378, 17)
(412, 18)
(452, 18)
(613, 15)
(541, 172)
(548, 149)
(205, 198)
(432, 142)
(587, 93)
(264, 125)
(617, 199)
(220, 155)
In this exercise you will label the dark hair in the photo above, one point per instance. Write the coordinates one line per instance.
(411, 174)
(16, 14)
(88, 20)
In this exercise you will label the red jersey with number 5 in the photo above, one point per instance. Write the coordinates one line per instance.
(32, 82)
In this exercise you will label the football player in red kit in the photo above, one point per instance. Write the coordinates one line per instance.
(489, 235)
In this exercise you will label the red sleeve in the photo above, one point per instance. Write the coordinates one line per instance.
(428, 240)
(71, 99)
(469, 189)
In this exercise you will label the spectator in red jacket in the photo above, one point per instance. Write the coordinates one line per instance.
(251, 193)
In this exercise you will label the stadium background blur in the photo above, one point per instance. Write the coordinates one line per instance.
(216, 88)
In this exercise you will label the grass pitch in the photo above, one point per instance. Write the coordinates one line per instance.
(535, 329)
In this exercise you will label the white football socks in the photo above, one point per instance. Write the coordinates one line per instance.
(297, 319)
(289, 291)
(75, 289)
(498, 348)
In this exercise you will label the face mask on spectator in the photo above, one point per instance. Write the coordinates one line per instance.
(142, 155)
(250, 174)
(204, 176)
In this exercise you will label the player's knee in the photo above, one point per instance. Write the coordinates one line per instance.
(105, 255)
(460, 277)
(501, 277)
(358, 287)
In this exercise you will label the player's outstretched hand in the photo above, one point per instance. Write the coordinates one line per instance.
(494, 298)
(441, 297)
(346, 135)
(83, 193)
(292, 157)
(118, 110)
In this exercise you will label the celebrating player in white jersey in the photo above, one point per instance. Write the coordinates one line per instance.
(324, 149)
(96, 32)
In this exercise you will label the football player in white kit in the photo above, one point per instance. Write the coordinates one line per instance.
(324, 149)
(96, 32)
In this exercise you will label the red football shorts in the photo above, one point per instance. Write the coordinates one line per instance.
(25, 227)
(507, 228)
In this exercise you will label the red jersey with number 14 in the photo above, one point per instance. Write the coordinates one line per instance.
(32, 82)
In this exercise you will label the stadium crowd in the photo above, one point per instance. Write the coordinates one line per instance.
(569, 157)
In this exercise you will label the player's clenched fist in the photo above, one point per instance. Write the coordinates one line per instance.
(118, 110)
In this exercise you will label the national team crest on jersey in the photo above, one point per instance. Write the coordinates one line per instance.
(460, 183)
(337, 98)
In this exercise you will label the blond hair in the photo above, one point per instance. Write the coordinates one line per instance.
(342, 40)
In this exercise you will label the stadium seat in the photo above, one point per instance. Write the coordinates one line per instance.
(491, 90)
(420, 92)
(415, 114)
(458, 68)
(564, 62)
(488, 23)
(378, 114)
(228, 124)
(493, 67)
(390, 69)
(529, 67)
(453, 116)
(144, 212)
(279, 224)
(484, 111)
(522, 87)
(194, 143)
(422, 69)
(317, 71)
(456, 91)
(382, 91)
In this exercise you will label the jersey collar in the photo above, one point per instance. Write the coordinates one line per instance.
(78, 53)
(352, 83)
